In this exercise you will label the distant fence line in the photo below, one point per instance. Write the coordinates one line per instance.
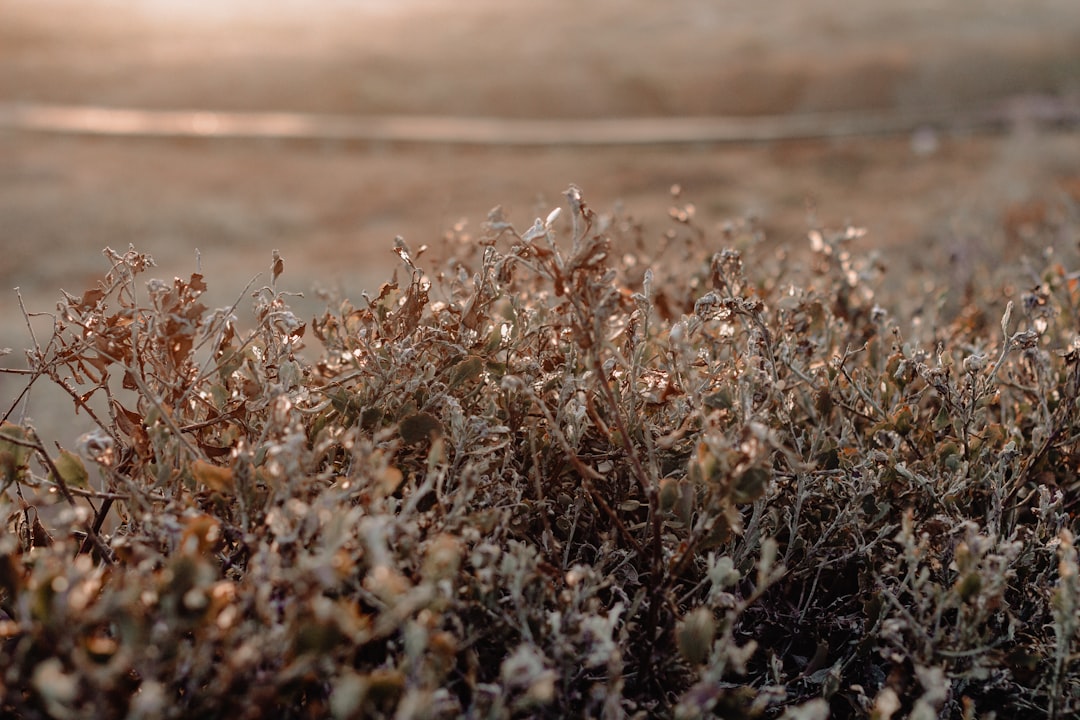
(135, 123)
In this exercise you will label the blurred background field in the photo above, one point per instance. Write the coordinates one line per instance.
(948, 199)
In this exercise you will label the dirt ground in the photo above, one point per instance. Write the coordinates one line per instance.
(951, 202)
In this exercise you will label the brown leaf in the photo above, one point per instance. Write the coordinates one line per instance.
(126, 420)
(277, 267)
(402, 251)
(213, 451)
(91, 298)
(219, 479)
(40, 536)
(407, 317)
(201, 534)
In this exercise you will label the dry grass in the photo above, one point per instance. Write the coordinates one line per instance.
(554, 476)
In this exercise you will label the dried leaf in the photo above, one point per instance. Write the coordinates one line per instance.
(39, 536)
(215, 477)
(407, 317)
(402, 251)
(91, 298)
(277, 266)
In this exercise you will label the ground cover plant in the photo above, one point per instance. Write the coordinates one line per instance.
(552, 473)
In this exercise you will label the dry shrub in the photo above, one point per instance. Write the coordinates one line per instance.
(551, 480)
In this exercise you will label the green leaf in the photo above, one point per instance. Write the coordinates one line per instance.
(465, 371)
(348, 404)
(370, 418)
(71, 469)
(750, 485)
(695, 634)
(14, 459)
(419, 427)
(720, 400)
(290, 374)
(942, 420)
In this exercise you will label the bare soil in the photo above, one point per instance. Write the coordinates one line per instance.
(960, 204)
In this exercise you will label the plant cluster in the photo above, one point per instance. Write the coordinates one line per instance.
(551, 479)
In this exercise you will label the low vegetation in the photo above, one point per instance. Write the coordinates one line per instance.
(553, 473)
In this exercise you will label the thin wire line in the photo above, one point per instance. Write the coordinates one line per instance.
(135, 123)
